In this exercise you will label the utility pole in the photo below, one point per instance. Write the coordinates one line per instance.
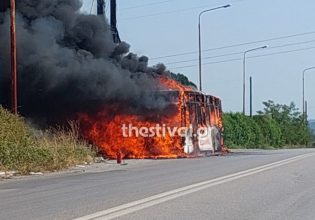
(244, 75)
(305, 113)
(101, 7)
(113, 21)
(13, 59)
(113, 17)
(251, 96)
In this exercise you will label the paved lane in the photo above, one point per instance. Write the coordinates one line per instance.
(74, 195)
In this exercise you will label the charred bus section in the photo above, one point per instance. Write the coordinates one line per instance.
(201, 114)
(197, 114)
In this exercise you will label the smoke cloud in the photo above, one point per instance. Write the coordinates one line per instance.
(68, 63)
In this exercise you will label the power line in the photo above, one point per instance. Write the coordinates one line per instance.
(175, 11)
(146, 5)
(162, 13)
(238, 53)
(250, 57)
(167, 12)
(236, 45)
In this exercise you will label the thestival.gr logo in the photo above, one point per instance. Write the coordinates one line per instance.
(162, 131)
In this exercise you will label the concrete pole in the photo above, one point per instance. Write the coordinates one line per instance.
(251, 96)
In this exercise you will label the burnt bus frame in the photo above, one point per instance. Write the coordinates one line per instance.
(202, 110)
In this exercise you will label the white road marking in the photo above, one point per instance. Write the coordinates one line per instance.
(131, 207)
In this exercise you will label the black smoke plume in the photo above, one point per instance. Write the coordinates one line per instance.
(68, 63)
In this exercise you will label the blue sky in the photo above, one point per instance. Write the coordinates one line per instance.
(158, 28)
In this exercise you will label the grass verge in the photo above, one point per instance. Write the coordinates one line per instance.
(24, 150)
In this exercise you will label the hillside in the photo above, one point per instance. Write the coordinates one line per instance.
(312, 124)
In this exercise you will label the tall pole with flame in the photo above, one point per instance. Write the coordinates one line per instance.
(13, 59)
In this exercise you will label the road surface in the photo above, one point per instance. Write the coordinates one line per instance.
(244, 185)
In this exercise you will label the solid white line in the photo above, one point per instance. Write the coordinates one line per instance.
(166, 196)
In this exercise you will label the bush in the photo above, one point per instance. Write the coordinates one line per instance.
(66, 146)
(271, 134)
(18, 148)
(241, 131)
(293, 126)
(22, 151)
(277, 126)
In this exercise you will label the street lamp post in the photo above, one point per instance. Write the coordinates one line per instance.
(244, 74)
(199, 38)
(303, 88)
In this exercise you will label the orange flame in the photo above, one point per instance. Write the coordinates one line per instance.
(105, 130)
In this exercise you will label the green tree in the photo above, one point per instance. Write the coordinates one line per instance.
(295, 130)
(270, 131)
(276, 126)
(241, 131)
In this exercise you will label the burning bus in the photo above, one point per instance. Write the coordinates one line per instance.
(120, 130)
(101, 82)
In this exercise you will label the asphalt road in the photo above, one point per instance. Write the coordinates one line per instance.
(244, 185)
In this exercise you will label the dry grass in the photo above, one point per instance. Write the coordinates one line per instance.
(66, 146)
(55, 149)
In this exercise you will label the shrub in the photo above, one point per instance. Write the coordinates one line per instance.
(18, 148)
(277, 126)
(66, 146)
(241, 131)
(270, 131)
(23, 151)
